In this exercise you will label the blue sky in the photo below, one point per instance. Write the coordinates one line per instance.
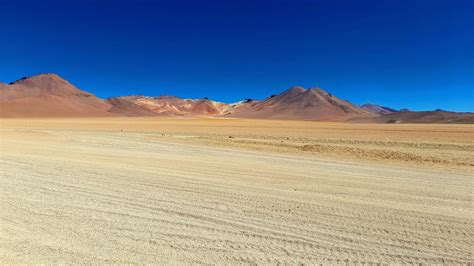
(415, 54)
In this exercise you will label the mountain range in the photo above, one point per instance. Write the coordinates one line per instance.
(48, 95)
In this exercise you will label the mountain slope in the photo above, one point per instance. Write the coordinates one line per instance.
(378, 109)
(125, 106)
(165, 106)
(48, 95)
(305, 104)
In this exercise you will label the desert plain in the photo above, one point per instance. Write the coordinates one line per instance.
(231, 191)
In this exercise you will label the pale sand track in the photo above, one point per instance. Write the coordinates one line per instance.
(81, 191)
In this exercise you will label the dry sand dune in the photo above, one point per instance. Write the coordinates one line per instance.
(180, 190)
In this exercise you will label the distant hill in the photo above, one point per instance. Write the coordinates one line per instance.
(377, 109)
(48, 95)
(407, 116)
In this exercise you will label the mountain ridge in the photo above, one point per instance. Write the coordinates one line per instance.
(378, 109)
(49, 95)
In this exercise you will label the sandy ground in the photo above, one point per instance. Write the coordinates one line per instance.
(121, 190)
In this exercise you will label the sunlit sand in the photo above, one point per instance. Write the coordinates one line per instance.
(149, 190)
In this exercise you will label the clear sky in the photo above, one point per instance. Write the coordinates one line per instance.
(416, 54)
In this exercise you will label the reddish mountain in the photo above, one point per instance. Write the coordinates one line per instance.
(125, 106)
(238, 107)
(48, 95)
(166, 105)
(304, 104)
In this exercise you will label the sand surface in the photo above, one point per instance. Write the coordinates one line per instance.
(118, 190)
